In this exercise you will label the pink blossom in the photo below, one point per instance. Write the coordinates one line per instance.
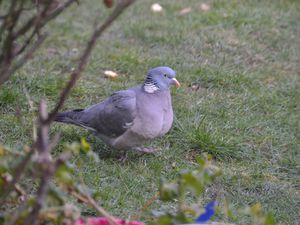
(104, 221)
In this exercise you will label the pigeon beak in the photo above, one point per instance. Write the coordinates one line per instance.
(176, 82)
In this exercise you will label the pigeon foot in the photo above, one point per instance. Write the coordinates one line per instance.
(123, 157)
(145, 150)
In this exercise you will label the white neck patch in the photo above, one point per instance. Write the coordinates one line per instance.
(150, 88)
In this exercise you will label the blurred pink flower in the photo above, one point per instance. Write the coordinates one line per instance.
(104, 221)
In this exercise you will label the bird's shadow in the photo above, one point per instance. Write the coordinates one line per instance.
(69, 135)
(106, 152)
(102, 150)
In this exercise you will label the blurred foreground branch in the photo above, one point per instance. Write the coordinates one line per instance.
(121, 6)
(38, 162)
(19, 42)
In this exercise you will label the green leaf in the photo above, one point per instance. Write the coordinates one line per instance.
(85, 146)
(182, 218)
(85, 190)
(56, 194)
(96, 194)
(168, 191)
(164, 220)
(74, 147)
(64, 174)
(2, 151)
(270, 219)
(191, 181)
(200, 161)
(94, 156)
(256, 209)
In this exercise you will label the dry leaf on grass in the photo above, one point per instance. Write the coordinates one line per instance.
(185, 11)
(108, 3)
(156, 7)
(204, 7)
(110, 74)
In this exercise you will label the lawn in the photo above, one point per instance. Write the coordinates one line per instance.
(239, 66)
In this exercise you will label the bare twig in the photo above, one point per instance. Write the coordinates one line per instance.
(37, 21)
(13, 4)
(31, 109)
(90, 201)
(42, 143)
(62, 159)
(17, 174)
(17, 213)
(122, 5)
(101, 210)
(33, 22)
(45, 162)
(9, 24)
(47, 165)
(146, 206)
(28, 54)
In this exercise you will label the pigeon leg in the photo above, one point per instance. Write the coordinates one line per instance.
(145, 150)
(123, 157)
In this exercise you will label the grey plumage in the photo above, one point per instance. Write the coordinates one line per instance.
(130, 117)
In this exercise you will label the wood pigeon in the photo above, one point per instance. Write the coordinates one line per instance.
(129, 118)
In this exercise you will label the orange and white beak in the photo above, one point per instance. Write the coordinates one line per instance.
(176, 82)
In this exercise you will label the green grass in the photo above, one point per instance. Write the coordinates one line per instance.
(239, 64)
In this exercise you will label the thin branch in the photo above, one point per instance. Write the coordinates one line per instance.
(40, 199)
(146, 206)
(31, 109)
(9, 24)
(47, 166)
(17, 174)
(17, 213)
(42, 18)
(33, 21)
(90, 201)
(37, 21)
(65, 156)
(57, 11)
(122, 5)
(28, 54)
(45, 163)
(49, 171)
(6, 56)
(101, 211)
(11, 9)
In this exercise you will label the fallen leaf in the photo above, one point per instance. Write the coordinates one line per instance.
(204, 7)
(52, 51)
(108, 3)
(185, 11)
(110, 74)
(2, 151)
(156, 7)
(173, 165)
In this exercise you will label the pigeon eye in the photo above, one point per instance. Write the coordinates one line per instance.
(165, 75)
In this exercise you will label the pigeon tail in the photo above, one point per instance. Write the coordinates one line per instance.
(69, 117)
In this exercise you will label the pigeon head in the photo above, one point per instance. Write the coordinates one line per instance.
(160, 79)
